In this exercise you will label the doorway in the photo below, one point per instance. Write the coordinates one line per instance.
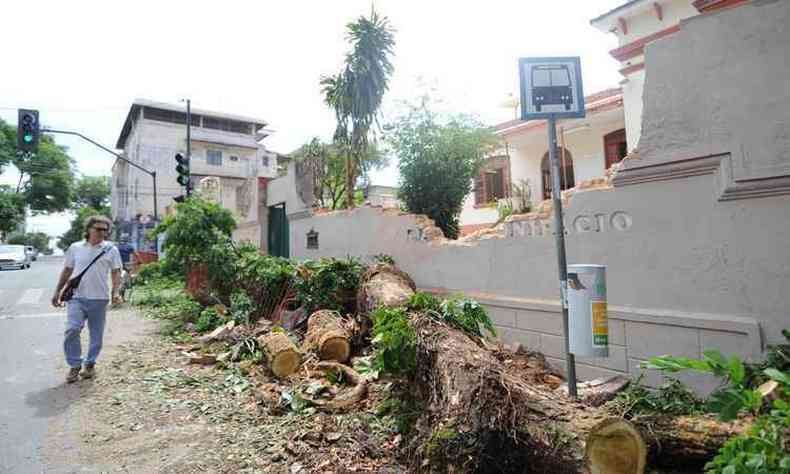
(279, 241)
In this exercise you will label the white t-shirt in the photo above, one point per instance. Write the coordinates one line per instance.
(95, 283)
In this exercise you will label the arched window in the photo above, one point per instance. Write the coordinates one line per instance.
(566, 172)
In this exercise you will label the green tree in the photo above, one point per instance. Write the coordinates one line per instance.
(437, 160)
(46, 178)
(12, 210)
(39, 240)
(196, 226)
(77, 230)
(92, 191)
(355, 93)
(326, 163)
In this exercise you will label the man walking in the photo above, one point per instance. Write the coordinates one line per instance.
(95, 259)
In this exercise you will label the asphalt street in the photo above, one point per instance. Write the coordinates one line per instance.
(31, 364)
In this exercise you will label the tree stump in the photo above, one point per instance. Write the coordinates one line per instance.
(481, 417)
(282, 355)
(327, 336)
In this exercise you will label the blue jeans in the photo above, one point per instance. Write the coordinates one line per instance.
(78, 310)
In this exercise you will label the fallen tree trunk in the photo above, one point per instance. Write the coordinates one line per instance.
(480, 418)
(282, 355)
(327, 336)
(384, 285)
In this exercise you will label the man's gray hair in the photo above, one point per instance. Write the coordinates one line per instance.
(89, 222)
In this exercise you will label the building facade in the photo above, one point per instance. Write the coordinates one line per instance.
(636, 24)
(223, 146)
(517, 176)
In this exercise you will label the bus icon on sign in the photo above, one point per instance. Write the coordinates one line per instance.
(551, 85)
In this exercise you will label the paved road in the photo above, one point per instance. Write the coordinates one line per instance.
(31, 363)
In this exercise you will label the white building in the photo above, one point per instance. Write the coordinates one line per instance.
(588, 147)
(224, 146)
(636, 24)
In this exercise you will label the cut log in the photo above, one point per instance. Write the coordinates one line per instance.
(282, 355)
(614, 446)
(384, 285)
(327, 336)
(480, 416)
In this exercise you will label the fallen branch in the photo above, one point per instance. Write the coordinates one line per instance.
(346, 399)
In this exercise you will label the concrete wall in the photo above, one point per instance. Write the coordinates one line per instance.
(633, 87)
(695, 234)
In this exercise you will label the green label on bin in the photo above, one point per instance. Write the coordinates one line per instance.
(600, 323)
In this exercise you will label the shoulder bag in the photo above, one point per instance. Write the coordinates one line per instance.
(68, 290)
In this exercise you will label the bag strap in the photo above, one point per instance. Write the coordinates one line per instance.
(104, 251)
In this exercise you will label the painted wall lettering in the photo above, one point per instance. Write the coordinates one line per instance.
(579, 224)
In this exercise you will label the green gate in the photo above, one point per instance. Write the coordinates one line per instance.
(278, 231)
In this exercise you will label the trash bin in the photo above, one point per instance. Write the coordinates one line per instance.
(588, 320)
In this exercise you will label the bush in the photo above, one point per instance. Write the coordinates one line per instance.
(149, 273)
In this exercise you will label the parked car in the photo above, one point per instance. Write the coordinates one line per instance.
(551, 85)
(14, 256)
(32, 251)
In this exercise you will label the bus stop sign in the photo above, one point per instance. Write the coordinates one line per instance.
(551, 88)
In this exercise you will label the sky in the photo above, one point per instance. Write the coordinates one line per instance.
(82, 63)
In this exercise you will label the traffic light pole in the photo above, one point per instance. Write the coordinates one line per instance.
(117, 155)
(189, 143)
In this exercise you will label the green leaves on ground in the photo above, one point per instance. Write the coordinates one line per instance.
(736, 395)
(328, 283)
(459, 312)
(764, 449)
(395, 341)
(671, 398)
(467, 315)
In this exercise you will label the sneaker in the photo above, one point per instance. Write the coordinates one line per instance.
(73, 375)
(87, 372)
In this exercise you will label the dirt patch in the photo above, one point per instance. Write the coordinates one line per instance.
(149, 410)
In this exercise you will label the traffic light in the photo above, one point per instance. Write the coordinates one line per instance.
(27, 130)
(182, 168)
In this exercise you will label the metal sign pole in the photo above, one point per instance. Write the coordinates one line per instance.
(559, 237)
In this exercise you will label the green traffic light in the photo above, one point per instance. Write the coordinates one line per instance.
(27, 138)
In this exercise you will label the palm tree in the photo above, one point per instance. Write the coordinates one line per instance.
(355, 93)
